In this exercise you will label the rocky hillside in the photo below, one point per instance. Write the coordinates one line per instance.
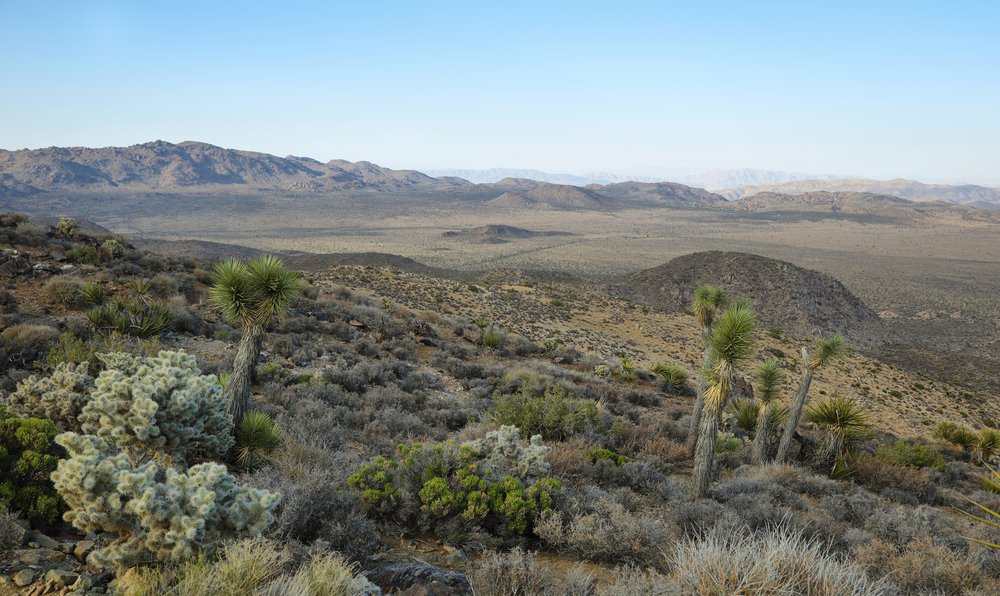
(499, 233)
(801, 302)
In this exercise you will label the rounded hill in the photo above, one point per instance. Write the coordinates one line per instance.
(802, 302)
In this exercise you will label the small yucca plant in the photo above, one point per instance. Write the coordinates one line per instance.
(256, 437)
(744, 413)
(991, 517)
(131, 316)
(92, 293)
(844, 425)
(493, 337)
(956, 434)
(987, 444)
(627, 370)
(673, 379)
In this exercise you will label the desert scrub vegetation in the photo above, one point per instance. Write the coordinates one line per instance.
(551, 413)
(910, 454)
(28, 455)
(497, 483)
(128, 473)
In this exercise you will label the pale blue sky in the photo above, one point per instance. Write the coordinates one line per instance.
(878, 89)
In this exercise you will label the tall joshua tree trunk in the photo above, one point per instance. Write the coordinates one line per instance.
(704, 457)
(761, 434)
(699, 402)
(731, 342)
(795, 414)
(238, 389)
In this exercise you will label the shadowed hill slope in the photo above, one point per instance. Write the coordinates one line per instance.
(800, 301)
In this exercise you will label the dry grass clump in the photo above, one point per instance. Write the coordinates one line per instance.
(775, 560)
(250, 566)
(608, 532)
(921, 567)
(63, 290)
(513, 573)
(11, 532)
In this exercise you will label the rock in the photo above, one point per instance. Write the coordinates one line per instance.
(23, 577)
(457, 558)
(419, 579)
(44, 541)
(82, 549)
(16, 267)
(82, 583)
(39, 556)
(61, 577)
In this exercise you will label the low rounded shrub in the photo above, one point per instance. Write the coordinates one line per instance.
(28, 455)
(910, 454)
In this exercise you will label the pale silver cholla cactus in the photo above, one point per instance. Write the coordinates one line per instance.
(155, 406)
(154, 510)
(60, 397)
(502, 452)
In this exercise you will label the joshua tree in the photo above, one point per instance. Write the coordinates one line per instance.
(250, 294)
(730, 343)
(707, 302)
(769, 378)
(826, 350)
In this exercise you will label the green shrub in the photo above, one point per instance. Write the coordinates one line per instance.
(495, 482)
(84, 255)
(727, 443)
(909, 454)
(131, 316)
(596, 455)
(554, 414)
(28, 455)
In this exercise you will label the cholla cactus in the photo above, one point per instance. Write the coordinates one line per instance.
(502, 452)
(155, 510)
(113, 248)
(159, 406)
(59, 397)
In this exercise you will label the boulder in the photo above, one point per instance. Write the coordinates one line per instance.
(419, 579)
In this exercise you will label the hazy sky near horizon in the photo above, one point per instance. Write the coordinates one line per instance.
(881, 89)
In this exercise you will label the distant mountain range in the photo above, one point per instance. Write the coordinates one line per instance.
(194, 168)
(713, 180)
(964, 194)
(719, 179)
(199, 168)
